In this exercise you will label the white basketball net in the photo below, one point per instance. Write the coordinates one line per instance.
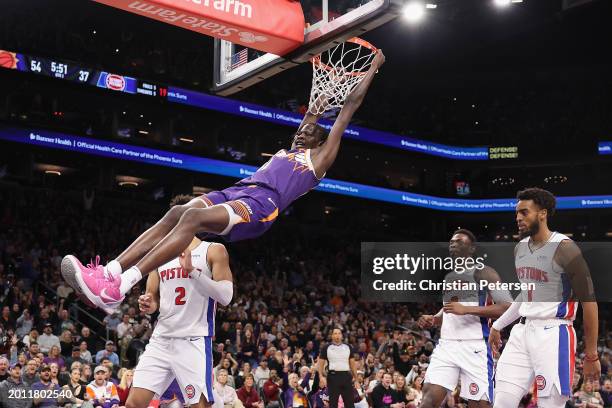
(336, 72)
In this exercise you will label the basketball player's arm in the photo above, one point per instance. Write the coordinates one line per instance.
(220, 287)
(570, 258)
(149, 302)
(501, 299)
(316, 106)
(429, 321)
(323, 157)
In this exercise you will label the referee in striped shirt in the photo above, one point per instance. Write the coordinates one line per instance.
(340, 368)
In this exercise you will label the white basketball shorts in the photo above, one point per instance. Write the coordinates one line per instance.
(540, 350)
(468, 361)
(189, 360)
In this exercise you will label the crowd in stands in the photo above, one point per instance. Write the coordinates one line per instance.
(290, 293)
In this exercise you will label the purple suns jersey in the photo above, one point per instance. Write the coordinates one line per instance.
(289, 173)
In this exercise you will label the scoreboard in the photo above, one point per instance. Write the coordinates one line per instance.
(74, 72)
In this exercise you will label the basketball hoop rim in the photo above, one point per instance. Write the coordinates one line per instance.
(316, 60)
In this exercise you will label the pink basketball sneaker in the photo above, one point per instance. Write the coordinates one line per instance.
(92, 283)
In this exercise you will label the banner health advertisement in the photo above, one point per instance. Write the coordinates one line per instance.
(427, 272)
(362, 134)
(107, 148)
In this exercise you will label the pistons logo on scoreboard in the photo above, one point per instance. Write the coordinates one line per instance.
(115, 82)
(190, 391)
(474, 388)
(540, 382)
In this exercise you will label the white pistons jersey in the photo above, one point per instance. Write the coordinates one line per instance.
(466, 327)
(552, 296)
(183, 311)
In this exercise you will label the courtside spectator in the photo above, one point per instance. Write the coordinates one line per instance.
(32, 336)
(4, 368)
(86, 374)
(587, 397)
(417, 390)
(383, 396)
(54, 357)
(48, 339)
(111, 321)
(606, 393)
(229, 365)
(66, 344)
(319, 396)
(75, 356)
(226, 393)
(30, 373)
(55, 374)
(123, 389)
(246, 370)
(64, 319)
(123, 328)
(110, 377)
(64, 290)
(13, 392)
(6, 319)
(249, 395)
(88, 338)
(45, 384)
(101, 392)
(25, 323)
(262, 372)
(76, 388)
(293, 391)
(84, 353)
(272, 388)
(33, 350)
(109, 353)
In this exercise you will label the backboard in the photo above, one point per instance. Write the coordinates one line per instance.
(329, 23)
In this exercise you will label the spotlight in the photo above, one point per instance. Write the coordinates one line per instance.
(502, 3)
(53, 172)
(414, 12)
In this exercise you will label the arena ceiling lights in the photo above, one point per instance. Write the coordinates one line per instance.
(505, 3)
(414, 11)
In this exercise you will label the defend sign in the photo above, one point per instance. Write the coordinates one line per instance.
(275, 26)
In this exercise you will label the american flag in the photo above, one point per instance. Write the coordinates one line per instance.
(240, 58)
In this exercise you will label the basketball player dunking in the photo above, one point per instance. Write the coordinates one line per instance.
(245, 210)
(542, 346)
(186, 290)
(463, 354)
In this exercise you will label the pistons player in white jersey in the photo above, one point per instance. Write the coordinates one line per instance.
(542, 345)
(186, 290)
(463, 354)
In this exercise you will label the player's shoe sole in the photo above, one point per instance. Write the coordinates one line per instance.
(69, 269)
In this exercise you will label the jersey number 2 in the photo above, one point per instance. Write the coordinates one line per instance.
(180, 296)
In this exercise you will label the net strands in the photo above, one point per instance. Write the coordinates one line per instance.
(336, 72)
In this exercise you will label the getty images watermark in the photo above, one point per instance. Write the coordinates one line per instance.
(435, 271)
